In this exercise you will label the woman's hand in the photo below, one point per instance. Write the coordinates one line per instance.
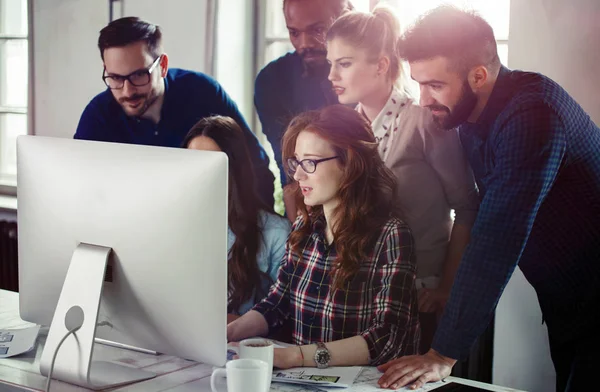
(289, 357)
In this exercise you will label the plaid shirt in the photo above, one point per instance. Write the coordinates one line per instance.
(535, 154)
(379, 303)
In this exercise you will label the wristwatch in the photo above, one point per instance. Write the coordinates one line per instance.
(322, 356)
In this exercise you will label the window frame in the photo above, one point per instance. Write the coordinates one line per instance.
(9, 188)
(269, 39)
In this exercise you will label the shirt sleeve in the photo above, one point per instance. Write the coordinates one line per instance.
(444, 153)
(529, 149)
(265, 178)
(271, 114)
(278, 239)
(92, 124)
(394, 330)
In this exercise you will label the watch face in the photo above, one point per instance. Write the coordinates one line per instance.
(322, 356)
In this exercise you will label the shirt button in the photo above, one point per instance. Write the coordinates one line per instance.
(155, 133)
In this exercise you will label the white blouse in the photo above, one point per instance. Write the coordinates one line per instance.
(433, 177)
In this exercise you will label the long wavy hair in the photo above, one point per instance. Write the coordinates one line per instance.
(244, 276)
(367, 191)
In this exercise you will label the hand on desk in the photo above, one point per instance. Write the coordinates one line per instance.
(415, 369)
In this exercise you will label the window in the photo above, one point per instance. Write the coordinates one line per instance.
(13, 84)
(495, 12)
(277, 41)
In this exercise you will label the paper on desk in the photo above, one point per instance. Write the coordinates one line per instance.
(17, 341)
(365, 382)
(332, 377)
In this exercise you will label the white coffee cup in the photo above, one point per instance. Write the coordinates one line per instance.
(243, 375)
(258, 348)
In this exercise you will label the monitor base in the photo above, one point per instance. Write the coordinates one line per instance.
(77, 310)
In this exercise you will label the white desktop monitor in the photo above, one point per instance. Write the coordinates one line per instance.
(162, 211)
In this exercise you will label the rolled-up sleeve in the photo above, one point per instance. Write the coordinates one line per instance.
(394, 330)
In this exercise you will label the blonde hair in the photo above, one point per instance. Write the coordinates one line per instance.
(376, 32)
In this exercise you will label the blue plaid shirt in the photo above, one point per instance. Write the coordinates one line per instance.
(535, 154)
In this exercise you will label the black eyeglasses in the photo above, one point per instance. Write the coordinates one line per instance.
(138, 78)
(308, 165)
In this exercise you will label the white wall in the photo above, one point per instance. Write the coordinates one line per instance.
(521, 350)
(561, 40)
(67, 69)
(184, 25)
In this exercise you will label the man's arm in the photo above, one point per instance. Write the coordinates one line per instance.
(529, 151)
(264, 176)
(272, 116)
(92, 124)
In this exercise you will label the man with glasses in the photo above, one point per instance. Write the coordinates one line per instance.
(148, 103)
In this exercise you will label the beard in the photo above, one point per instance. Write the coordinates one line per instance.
(461, 112)
(315, 61)
(146, 101)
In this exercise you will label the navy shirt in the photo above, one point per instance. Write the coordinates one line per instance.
(282, 91)
(535, 154)
(189, 97)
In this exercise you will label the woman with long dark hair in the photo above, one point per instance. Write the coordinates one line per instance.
(347, 281)
(257, 235)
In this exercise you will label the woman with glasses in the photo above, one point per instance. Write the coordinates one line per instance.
(428, 162)
(257, 236)
(347, 278)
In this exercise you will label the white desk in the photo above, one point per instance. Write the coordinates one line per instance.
(174, 374)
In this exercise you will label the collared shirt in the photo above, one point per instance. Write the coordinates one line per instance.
(535, 154)
(189, 97)
(274, 233)
(282, 91)
(432, 175)
(379, 303)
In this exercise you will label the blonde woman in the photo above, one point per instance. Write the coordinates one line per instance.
(429, 164)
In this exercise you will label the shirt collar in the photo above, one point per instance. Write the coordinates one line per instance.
(501, 94)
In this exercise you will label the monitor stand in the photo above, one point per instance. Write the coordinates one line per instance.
(78, 305)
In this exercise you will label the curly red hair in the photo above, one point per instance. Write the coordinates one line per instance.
(367, 192)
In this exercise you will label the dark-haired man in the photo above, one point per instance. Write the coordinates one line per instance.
(535, 154)
(297, 81)
(148, 103)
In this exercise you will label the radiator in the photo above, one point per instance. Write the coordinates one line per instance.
(9, 269)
